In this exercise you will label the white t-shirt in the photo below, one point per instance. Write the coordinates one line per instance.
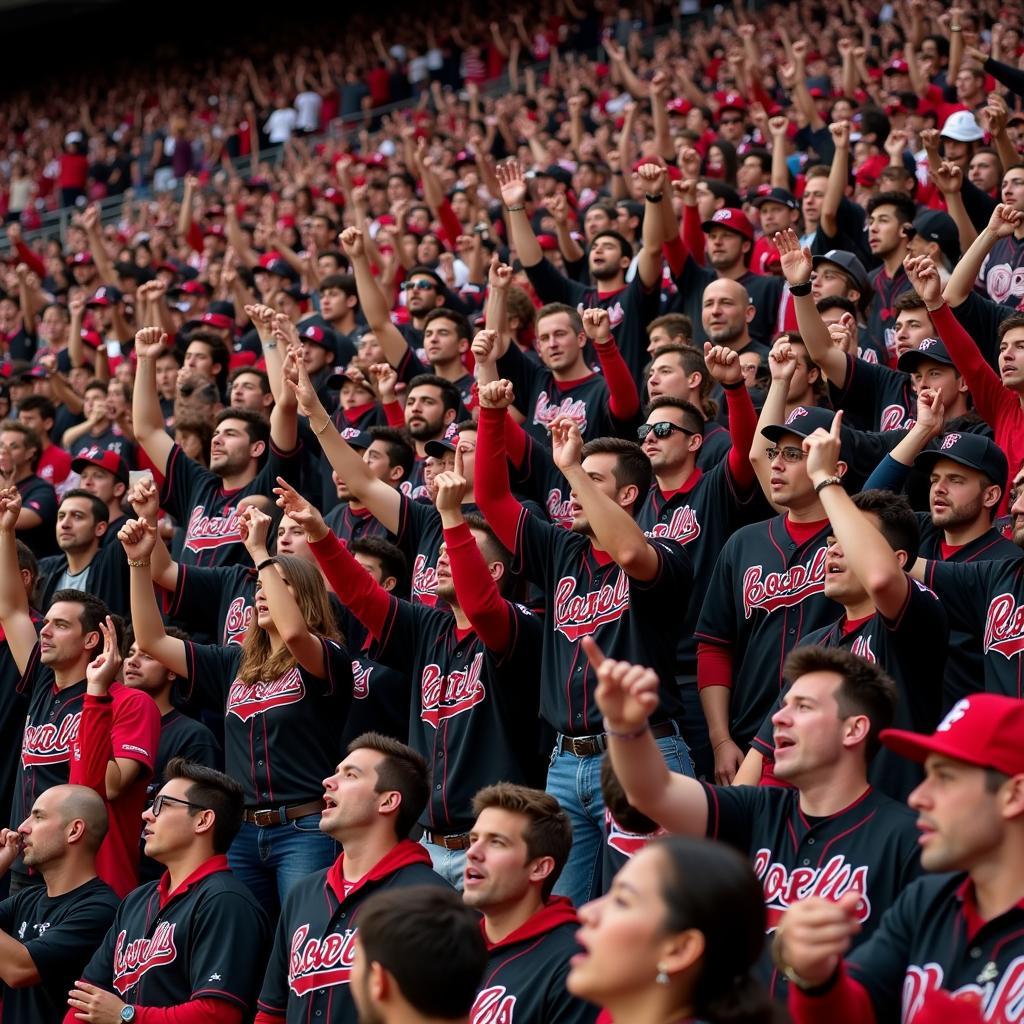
(280, 125)
(308, 105)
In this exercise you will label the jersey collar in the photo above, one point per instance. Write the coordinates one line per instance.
(972, 916)
(218, 862)
(557, 911)
(401, 855)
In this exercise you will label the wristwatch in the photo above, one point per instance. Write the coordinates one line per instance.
(128, 1014)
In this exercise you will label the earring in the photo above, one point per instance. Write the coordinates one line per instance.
(662, 977)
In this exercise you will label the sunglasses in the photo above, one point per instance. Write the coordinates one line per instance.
(420, 286)
(661, 430)
(788, 454)
(161, 801)
(731, 120)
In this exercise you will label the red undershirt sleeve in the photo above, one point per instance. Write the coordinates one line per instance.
(693, 234)
(476, 592)
(675, 254)
(742, 424)
(846, 1002)
(714, 665)
(355, 587)
(394, 415)
(623, 397)
(499, 507)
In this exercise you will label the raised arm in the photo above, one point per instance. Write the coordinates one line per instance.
(491, 484)
(838, 176)
(891, 473)
(949, 179)
(15, 616)
(648, 265)
(499, 277)
(1003, 222)
(138, 538)
(782, 365)
(284, 419)
(146, 415)
(627, 696)
(513, 195)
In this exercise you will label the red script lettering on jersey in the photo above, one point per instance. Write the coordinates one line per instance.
(579, 615)
(206, 532)
(245, 700)
(773, 590)
(133, 959)
(50, 743)
(320, 963)
(999, 998)
(1004, 627)
(493, 1006)
(683, 526)
(445, 696)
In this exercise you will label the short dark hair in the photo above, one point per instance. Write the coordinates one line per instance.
(423, 271)
(213, 791)
(624, 247)
(908, 300)
(399, 451)
(449, 392)
(261, 375)
(396, 926)
(462, 327)
(615, 802)
(548, 832)
(100, 512)
(402, 770)
(94, 611)
(677, 325)
(342, 282)
(693, 418)
(496, 551)
(763, 157)
(27, 559)
(1012, 321)
(553, 308)
(897, 522)
(256, 424)
(392, 559)
(631, 464)
(30, 437)
(864, 688)
(40, 404)
(692, 361)
(831, 302)
(906, 209)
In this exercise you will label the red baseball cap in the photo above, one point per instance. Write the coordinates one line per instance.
(733, 219)
(985, 729)
(105, 459)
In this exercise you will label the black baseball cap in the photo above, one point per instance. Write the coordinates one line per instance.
(803, 421)
(356, 438)
(436, 449)
(559, 173)
(937, 226)
(775, 195)
(973, 450)
(931, 349)
(849, 265)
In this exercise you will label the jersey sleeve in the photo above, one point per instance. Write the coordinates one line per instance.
(227, 961)
(199, 589)
(535, 547)
(183, 478)
(337, 681)
(674, 578)
(135, 730)
(273, 998)
(963, 588)
(732, 810)
(717, 621)
(211, 671)
(405, 621)
(285, 464)
(551, 286)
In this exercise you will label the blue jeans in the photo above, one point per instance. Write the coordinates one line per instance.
(449, 864)
(270, 860)
(576, 783)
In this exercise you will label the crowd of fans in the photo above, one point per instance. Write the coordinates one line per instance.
(539, 554)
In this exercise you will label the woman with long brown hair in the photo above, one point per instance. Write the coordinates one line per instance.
(285, 693)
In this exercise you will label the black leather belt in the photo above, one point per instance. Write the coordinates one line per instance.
(588, 746)
(455, 841)
(282, 815)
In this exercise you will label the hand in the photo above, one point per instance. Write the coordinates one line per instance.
(498, 394)
(385, 376)
(844, 334)
(822, 449)
(468, 245)
(723, 363)
(815, 934)
(799, 50)
(924, 277)
(728, 758)
(651, 177)
(294, 375)
(782, 361)
(484, 346)
(597, 325)
(929, 139)
(995, 115)
(10, 847)
(90, 218)
(840, 131)
(138, 538)
(1004, 221)
(103, 669)
(688, 159)
(845, 47)
(253, 528)
(896, 143)
(558, 207)
(94, 1004)
(686, 190)
(796, 262)
(511, 182)
(659, 85)
(931, 412)
(10, 509)
(627, 695)
(778, 127)
(451, 489)
(263, 319)
(76, 306)
(144, 499)
(298, 509)
(353, 244)
(149, 342)
(948, 177)
(499, 275)
(566, 443)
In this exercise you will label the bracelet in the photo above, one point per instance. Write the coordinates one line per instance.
(936, 309)
(516, 209)
(327, 423)
(800, 289)
(265, 563)
(138, 563)
(955, 28)
(655, 197)
(827, 482)
(734, 386)
(624, 735)
(270, 344)
(728, 739)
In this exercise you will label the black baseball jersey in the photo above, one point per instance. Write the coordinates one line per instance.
(539, 479)
(765, 593)
(208, 513)
(702, 515)
(14, 698)
(1002, 274)
(965, 670)
(881, 314)
(348, 526)
(380, 701)
(542, 399)
(51, 727)
(60, 934)
(911, 649)
(621, 845)
(281, 736)
(875, 397)
(987, 599)
(524, 981)
(414, 486)
(107, 578)
(214, 602)
(715, 447)
(630, 310)
(206, 940)
(934, 938)
(587, 594)
(420, 536)
(869, 847)
(38, 496)
(310, 965)
(473, 713)
(112, 439)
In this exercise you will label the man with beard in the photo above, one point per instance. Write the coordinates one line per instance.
(104, 474)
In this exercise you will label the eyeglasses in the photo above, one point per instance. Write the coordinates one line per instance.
(660, 430)
(158, 804)
(420, 286)
(731, 120)
(788, 454)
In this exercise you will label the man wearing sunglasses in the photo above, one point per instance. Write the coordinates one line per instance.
(698, 508)
(197, 939)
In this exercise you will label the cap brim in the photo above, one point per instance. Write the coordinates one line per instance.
(926, 460)
(776, 431)
(916, 747)
(910, 361)
(709, 224)
(438, 449)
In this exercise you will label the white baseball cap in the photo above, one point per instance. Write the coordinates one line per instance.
(962, 126)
